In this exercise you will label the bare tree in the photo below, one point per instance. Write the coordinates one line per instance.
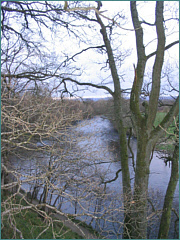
(147, 134)
(28, 120)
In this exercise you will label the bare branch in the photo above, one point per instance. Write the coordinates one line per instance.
(88, 84)
(84, 50)
(166, 48)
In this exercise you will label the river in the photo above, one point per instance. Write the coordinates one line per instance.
(90, 162)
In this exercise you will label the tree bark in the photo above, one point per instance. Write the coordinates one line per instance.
(166, 215)
(157, 68)
(121, 129)
(144, 124)
(139, 204)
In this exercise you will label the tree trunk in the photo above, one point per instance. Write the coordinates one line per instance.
(121, 130)
(166, 215)
(139, 203)
(135, 209)
(127, 195)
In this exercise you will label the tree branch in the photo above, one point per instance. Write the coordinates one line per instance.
(88, 84)
(85, 50)
(165, 123)
(139, 70)
(167, 47)
(157, 67)
(114, 179)
(150, 24)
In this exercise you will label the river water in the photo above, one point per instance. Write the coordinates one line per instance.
(91, 161)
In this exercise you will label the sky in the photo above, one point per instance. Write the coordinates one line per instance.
(92, 70)
(91, 63)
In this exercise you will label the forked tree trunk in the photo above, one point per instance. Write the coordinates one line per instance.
(135, 207)
(144, 123)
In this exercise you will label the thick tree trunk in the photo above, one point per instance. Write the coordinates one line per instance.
(139, 203)
(123, 146)
(144, 124)
(166, 215)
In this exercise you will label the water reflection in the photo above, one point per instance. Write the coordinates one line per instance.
(80, 171)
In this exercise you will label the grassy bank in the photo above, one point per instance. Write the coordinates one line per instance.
(31, 224)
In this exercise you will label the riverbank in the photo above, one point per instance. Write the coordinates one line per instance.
(94, 149)
(32, 222)
(74, 225)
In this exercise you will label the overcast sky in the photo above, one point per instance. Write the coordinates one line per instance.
(90, 62)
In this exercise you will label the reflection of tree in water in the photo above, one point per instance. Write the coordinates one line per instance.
(32, 116)
(83, 185)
